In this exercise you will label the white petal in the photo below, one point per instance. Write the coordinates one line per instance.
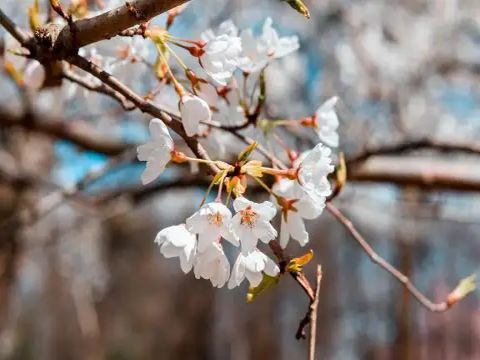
(266, 210)
(255, 278)
(271, 268)
(238, 272)
(193, 110)
(240, 203)
(284, 233)
(152, 171)
(160, 133)
(296, 228)
(265, 231)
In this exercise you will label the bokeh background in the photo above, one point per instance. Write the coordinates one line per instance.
(83, 282)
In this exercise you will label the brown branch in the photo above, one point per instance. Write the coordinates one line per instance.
(420, 172)
(13, 29)
(57, 197)
(171, 120)
(104, 26)
(80, 136)
(377, 259)
(408, 146)
(99, 88)
(313, 315)
(299, 277)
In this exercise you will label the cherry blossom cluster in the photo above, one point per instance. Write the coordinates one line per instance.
(299, 191)
(224, 89)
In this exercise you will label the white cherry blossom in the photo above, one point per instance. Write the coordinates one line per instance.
(177, 241)
(313, 167)
(299, 206)
(259, 51)
(213, 265)
(211, 222)
(252, 267)
(221, 53)
(194, 110)
(156, 152)
(230, 112)
(326, 122)
(208, 93)
(252, 222)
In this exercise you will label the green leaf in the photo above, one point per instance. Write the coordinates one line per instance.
(465, 287)
(267, 282)
(244, 155)
(296, 264)
(218, 177)
(300, 6)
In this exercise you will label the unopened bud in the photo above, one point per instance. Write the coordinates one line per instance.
(296, 264)
(237, 185)
(465, 287)
(178, 157)
(292, 155)
(196, 51)
(300, 6)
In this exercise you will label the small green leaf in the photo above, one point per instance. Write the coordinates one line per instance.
(300, 6)
(465, 287)
(262, 96)
(267, 282)
(296, 264)
(34, 15)
(244, 155)
(218, 177)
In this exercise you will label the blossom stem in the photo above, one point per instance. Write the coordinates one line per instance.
(207, 192)
(265, 186)
(220, 187)
(284, 122)
(175, 40)
(178, 87)
(229, 196)
(175, 55)
(288, 173)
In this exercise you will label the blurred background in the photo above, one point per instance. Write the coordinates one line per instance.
(80, 276)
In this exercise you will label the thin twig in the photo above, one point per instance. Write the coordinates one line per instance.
(422, 299)
(171, 120)
(81, 136)
(314, 315)
(99, 88)
(413, 145)
(13, 29)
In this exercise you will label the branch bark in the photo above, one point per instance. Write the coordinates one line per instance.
(171, 120)
(413, 145)
(104, 26)
(13, 29)
(313, 316)
(60, 129)
(377, 259)
(421, 172)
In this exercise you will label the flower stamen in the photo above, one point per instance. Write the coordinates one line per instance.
(248, 217)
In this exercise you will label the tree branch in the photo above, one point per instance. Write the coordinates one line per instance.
(13, 29)
(99, 88)
(377, 259)
(313, 316)
(104, 26)
(420, 144)
(171, 120)
(421, 172)
(60, 129)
